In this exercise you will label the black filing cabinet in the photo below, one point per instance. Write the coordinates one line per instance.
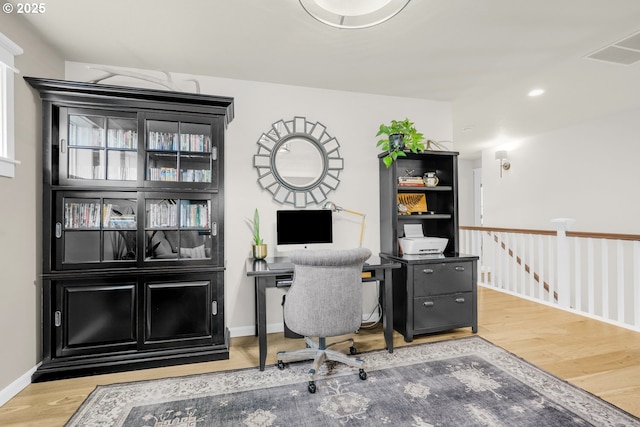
(434, 293)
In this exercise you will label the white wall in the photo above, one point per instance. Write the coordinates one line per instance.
(465, 191)
(20, 249)
(588, 172)
(352, 118)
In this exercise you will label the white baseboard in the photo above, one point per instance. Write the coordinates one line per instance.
(245, 331)
(17, 386)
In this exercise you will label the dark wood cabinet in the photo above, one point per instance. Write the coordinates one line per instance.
(434, 293)
(94, 316)
(431, 292)
(133, 228)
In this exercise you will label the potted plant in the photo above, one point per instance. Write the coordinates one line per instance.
(259, 247)
(401, 135)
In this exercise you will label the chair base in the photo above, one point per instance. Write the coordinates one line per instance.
(319, 352)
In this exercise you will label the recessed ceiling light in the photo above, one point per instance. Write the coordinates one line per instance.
(536, 92)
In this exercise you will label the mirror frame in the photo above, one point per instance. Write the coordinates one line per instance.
(271, 180)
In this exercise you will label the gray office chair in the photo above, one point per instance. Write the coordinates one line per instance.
(325, 300)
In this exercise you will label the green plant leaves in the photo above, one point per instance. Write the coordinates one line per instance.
(411, 137)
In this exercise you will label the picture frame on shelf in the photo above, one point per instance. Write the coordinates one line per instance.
(412, 204)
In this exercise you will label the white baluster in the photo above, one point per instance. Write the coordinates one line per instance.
(620, 291)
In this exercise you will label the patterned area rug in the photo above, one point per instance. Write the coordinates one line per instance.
(461, 382)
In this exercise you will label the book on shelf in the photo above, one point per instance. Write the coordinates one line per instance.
(121, 138)
(82, 215)
(410, 181)
(194, 214)
(195, 142)
(192, 175)
(167, 141)
(163, 213)
(403, 184)
(163, 174)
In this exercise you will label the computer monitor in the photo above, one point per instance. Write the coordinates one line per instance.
(302, 227)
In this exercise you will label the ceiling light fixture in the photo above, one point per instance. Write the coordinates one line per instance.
(353, 14)
(536, 92)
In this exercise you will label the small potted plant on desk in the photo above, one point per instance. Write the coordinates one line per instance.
(259, 247)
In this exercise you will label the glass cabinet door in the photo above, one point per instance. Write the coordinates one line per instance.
(86, 147)
(95, 230)
(122, 146)
(119, 230)
(179, 229)
(81, 230)
(180, 152)
(97, 146)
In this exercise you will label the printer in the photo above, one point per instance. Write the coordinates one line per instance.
(415, 242)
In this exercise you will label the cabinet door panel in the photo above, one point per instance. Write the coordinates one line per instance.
(442, 278)
(443, 312)
(178, 311)
(95, 229)
(95, 316)
(182, 151)
(97, 146)
(181, 230)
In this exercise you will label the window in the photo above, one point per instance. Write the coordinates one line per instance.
(8, 50)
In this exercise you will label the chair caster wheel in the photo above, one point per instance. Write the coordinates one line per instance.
(280, 365)
(352, 350)
(362, 374)
(312, 387)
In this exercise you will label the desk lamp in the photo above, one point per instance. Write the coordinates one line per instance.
(334, 208)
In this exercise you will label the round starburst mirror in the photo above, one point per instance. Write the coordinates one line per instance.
(298, 162)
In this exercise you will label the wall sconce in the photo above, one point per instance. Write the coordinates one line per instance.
(504, 161)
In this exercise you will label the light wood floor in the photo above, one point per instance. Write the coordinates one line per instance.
(600, 358)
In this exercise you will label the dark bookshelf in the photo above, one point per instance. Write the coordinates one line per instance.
(133, 228)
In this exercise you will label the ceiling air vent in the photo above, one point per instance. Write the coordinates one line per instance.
(625, 51)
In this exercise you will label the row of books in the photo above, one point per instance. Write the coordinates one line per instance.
(121, 138)
(186, 175)
(113, 219)
(87, 136)
(193, 175)
(81, 215)
(162, 174)
(162, 214)
(197, 143)
(410, 181)
(170, 141)
(162, 141)
(194, 215)
(165, 214)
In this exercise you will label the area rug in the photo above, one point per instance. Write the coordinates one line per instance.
(460, 382)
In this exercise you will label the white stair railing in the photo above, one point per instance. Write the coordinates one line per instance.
(594, 274)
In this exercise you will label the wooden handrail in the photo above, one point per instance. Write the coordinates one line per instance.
(583, 234)
(509, 230)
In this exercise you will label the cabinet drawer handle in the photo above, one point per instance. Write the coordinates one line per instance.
(428, 303)
(58, 230)
(458, 268)
(427, 271)
(460, 300)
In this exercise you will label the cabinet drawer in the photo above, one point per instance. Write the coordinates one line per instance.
(443, 312)
(442, 278)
